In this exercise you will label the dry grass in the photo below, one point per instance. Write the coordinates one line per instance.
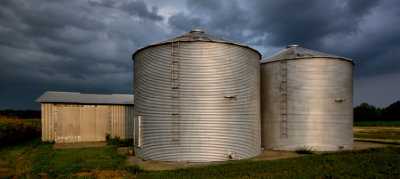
(16, 130)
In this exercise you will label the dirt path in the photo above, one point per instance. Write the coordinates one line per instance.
(368, 129)
(79, 145)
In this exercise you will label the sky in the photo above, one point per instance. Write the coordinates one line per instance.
(86, 45)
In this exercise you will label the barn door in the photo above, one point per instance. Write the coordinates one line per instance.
(88, 123)
(67, 123)
(102, 122)
(94, 123)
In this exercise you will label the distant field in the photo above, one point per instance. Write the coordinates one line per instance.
(378, 123)
(16, 130)
(35, 159)
(379, 134)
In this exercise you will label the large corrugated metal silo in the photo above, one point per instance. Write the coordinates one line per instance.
(306, 100)
(197, 99)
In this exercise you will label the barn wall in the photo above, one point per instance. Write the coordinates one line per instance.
(48, 113)
(79, 123)
(122, 121)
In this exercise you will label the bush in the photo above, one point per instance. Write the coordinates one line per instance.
(16, 130)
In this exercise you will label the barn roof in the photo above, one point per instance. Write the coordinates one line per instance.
(83, 98)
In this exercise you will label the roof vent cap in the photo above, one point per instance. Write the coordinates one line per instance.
(293, 46)
(196, 31)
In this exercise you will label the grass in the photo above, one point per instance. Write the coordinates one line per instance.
(16, 130)
(370, 163)
(378, 134)
(378, 123)
(35, 159)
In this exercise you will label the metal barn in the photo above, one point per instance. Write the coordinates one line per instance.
(197, 99)
(306, 100)
(77, 117)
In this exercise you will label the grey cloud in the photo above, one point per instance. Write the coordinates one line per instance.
(306, 22)
(72, 45)
(221, 18)
(209, 5)
(68, 46)
(134, 8)
(139, 8)
(185, 23)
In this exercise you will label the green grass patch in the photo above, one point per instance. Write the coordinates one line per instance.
(35, 157)
(378, 123)
(371, 163)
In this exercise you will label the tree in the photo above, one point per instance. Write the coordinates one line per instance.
(392, 112)
(366, 112)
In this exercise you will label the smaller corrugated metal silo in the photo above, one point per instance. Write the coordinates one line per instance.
(306, 100)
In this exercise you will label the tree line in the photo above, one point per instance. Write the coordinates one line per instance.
(23, 114)
(367, 112)
(363, 112)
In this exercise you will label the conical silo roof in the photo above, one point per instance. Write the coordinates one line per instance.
(195, 36)
(293, 52)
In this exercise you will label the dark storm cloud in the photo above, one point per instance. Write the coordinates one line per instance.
(70, 46)
(221, 18)
(134, 8)
(357, 29)
(361, 30)
(365, 31)
(308, 21)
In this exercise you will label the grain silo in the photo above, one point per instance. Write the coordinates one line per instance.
(306, 100)
(197, 99)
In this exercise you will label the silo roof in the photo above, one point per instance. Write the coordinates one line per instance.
(295, 52)
(82, 98)
(195, 36)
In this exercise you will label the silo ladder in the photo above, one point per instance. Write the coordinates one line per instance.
(283, 102)
(175, 94)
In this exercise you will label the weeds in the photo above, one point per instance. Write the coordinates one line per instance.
(117, 141)
(304, 150)
(15, 130)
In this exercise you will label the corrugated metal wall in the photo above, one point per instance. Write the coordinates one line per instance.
(48, 121)
(122, 121)
(207, 111)
(312, 107)
(78, 123)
